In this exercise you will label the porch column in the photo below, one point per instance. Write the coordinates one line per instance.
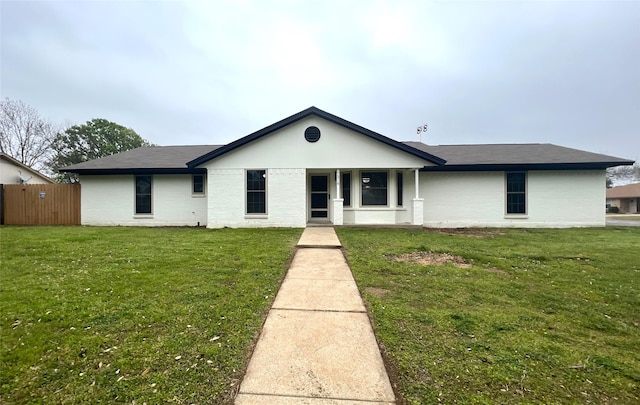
(338, 215)
(418, 203)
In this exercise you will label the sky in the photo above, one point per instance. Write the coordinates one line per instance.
(209, 72)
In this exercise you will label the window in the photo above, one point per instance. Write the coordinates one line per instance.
(374, 188)
(346, 189)
(143, 194)
(517, 193)
(256, 192)
(198, 184)
(400, 186)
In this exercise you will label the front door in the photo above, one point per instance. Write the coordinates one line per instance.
(319, 196)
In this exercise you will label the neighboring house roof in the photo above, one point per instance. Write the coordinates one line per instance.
(22, 166)
(322, 114)
(516, 156)
(628, 191)
(150, 159)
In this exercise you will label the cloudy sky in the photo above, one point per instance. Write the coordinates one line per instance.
(196, 72)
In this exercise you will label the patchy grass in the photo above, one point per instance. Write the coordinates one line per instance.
(540, 316)
(117, 315)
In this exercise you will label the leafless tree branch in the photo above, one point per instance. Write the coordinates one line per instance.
(25, 135)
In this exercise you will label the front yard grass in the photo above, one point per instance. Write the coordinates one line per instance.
(133, 315)
(504, 316)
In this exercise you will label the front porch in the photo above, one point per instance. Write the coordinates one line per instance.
(364, 197)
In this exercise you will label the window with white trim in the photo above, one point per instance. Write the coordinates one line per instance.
(143, 194)
(400, 188)
(198, 184)
(256, 192)
(374, 188)
(346, 189)
(516, 197)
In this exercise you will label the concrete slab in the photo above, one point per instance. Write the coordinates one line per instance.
(248, 399)
(319, 237)
(322, 295)
(317, 346)
(622, 222)
(314, 354)
(320, 264)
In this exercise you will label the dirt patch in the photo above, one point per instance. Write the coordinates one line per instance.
(376, 292)
(427, 258)
(431, 258)
(469, 232)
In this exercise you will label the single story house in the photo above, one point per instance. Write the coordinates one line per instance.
(13, 171)
(626, 198)
(316, 167)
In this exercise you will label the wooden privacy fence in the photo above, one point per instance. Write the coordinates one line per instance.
(41, 204)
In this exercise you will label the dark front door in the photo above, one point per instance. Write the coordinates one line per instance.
(319, 196)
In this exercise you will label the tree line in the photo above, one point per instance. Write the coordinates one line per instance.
(36, 142)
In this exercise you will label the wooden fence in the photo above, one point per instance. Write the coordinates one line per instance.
(41, 204)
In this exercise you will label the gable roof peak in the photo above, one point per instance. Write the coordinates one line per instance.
(324, 115)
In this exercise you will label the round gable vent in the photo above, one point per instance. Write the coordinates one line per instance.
(312, 134)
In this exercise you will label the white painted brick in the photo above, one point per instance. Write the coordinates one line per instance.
(477, 199)
(110, 200)
(555, 199)
(286, 199)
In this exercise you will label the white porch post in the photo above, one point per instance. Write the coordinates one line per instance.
(418, 203)
(338, 214)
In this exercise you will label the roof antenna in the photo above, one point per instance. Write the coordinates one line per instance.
(421, 129)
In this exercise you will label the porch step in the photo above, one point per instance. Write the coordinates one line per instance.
(319, 237)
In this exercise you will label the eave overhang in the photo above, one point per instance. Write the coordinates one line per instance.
(526, 166)
(136, 171)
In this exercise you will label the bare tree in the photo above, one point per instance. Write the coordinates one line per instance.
(621, 175)
(25, 135)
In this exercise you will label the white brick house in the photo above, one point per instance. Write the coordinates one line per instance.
(316, 167)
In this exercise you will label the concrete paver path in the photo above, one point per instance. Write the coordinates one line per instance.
(317, 346)
(322, 237)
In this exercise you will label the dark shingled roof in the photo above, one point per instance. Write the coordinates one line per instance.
(174, 159)
(185, 159)
(525, 156)
(156, 159)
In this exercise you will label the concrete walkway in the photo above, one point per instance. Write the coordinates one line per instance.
(317, 346)
(623, 219)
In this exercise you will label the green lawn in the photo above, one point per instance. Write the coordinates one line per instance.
(117, 315)
(537, 316)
